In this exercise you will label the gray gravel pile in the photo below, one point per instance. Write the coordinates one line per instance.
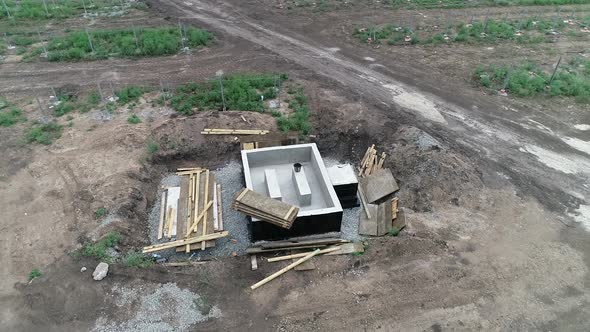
(161, 308)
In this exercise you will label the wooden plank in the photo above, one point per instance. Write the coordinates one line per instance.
(188, 169)
(285, 269)
(296, 243)
(378, 185)
(206, 210)
(384, 217)
(248, 146)
(400, 222)
(368, 225)
(169, 222)
(265, 205)
(183, 242)
(182, 212)
(348, 248)
(219, 207)
(303, 254)
(394, 207)
(255, 250)
(196, 209)
(253, 262)
(162, 213)
(364, 202)
(189, 172)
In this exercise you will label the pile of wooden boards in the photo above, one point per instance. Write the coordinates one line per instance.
(371, 162)
(377, 188)
(209, 131)
(196, 218)
(265, 208)
(301, 260)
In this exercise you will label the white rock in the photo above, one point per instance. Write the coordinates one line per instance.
(101, 271)
(83, 269)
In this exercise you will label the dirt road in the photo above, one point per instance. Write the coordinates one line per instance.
(503, 254)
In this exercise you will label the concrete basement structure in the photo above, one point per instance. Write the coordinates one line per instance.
(294, 174)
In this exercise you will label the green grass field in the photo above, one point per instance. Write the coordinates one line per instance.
(529, 80)
(102, 44)
(58, 9)
(531, 30)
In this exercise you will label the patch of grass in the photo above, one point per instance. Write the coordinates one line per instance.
(35, 10)
(43, 133)
(152, 147)
(137, 259)
(298, 120)
(100, 212)
(530, 30)
(98, 250)
(129, 94)
(63, 107)
(529, 80)
(35, 273)
(10, 116)
(133, 119)
(124, 43)
(242, 92)
(393, 231)
(110, 107)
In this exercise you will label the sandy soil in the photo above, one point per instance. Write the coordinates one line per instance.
(491, 186)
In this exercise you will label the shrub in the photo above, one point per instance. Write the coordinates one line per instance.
(129, 94)
(133, 119)
(43, 133)
(63, 107)
(137, 259)
(98, 250)
(100, 212)
(10, 117)
(35, 273)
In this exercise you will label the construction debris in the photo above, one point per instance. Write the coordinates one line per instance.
(208, 131)
(285, 269)
(265, 208)
(298, 255)
(371, 162)
(191, 213)
(254, 262)
(378, 185)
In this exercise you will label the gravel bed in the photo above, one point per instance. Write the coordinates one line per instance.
(161, 308)
(231, 179)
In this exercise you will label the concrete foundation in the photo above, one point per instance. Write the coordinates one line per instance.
(319, 208)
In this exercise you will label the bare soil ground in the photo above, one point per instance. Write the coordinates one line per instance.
(490, 185)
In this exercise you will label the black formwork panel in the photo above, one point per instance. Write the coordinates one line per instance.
(308, 225)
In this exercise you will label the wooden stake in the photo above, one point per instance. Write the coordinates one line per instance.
(219, 208)
(303, 254)
(162, 213)
(178, 243)
(195, 212)
(285, 269)
(203, 245)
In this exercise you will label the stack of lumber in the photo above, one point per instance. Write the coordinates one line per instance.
(265, 208)
(209, 131)
(198, 218)
(371, 162)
